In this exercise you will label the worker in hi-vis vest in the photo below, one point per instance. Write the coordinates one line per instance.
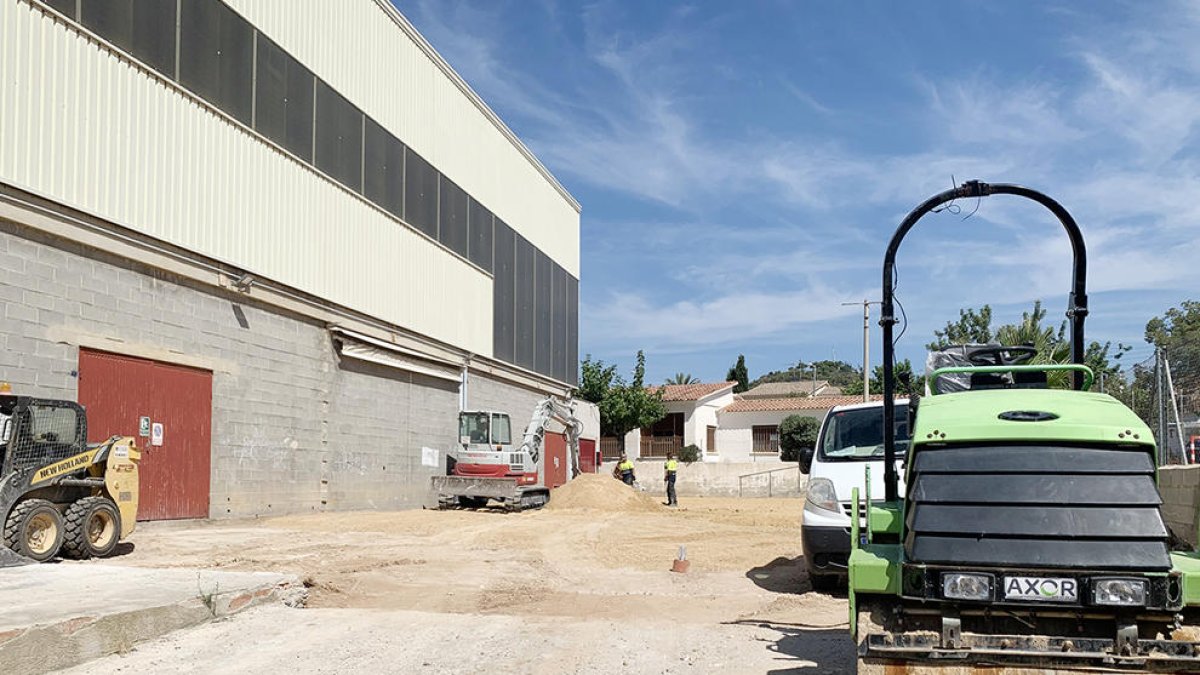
(624, 470)
(669, 470)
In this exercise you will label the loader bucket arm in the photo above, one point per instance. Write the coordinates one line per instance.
(1076, 303)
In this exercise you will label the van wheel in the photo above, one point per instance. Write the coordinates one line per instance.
(34, 529)
(93, 528)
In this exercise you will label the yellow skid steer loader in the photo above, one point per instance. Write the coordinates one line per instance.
(58, 494)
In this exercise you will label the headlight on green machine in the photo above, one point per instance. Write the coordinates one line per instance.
(966, 586)
(1119, 592)
(822, 495)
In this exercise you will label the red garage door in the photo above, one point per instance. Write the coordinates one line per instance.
(556, 459)
(120, 390)
(589, 458)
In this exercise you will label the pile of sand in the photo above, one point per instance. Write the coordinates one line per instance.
(603, 493)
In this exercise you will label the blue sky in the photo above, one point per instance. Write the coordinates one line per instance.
(741, 165)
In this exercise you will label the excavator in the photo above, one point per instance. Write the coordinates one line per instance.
(488, 467)
(1028, 535)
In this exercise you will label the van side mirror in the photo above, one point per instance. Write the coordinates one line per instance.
(806, 459)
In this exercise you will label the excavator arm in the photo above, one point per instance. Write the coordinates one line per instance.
(547, 410)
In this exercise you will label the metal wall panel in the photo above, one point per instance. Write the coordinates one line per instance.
(383, 169)
(504, 299)
(216, 56)
(452, 216)
(144, 28)
(572, 330)
(524, 325)
(420, 193)
(338, 139)
(479, 248)
(559, 324)
(543, 311)
(284, 99)
(92, 131)
(427, 108)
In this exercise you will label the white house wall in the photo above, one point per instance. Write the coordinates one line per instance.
(735, 435)
(372, 56)
(89, 129)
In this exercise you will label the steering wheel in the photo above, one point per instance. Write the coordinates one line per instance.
(1002, 355)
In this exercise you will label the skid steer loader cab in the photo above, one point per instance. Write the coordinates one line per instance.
(1028, 534)
(57, 493)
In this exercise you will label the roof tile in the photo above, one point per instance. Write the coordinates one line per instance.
(691, 392)
(792, 403)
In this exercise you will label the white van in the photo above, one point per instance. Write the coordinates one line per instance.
(851, 439)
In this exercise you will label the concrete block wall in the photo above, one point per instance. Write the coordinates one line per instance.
(490, 393)
(292, 430)
(722, 479)
(381, 419)
(1180, 489)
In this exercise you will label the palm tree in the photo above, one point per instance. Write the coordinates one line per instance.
(682, 378)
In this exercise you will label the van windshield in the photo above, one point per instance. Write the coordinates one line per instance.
(857, 435)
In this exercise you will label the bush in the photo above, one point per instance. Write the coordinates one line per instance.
(689, 454)
(796, 433)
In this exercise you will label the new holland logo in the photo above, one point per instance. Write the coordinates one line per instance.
(66, 466)
(1041, 588)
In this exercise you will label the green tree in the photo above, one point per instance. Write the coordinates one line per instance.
(907, 382)
(836, 373)
(1052, 343)
(682, 378)
(972, 327)
(797, 432)
(623, 407)
(739, 374)
(1177, 332)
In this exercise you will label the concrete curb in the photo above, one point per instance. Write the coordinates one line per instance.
(47, 647)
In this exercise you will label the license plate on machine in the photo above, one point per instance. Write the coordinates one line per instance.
(1042, 589)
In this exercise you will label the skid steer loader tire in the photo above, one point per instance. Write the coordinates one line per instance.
(93, 528)
(34, 529)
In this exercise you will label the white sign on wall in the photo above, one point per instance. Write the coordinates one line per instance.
(429, 457)
(156, 433)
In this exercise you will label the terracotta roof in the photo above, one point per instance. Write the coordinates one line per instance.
(792, 403)
(691, 392)
(782, 389)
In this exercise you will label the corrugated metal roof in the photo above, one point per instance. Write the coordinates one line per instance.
(691, 392)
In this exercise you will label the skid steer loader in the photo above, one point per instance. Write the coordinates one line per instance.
(57, 493)
(1029, 536)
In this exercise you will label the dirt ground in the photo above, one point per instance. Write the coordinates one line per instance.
(581, 586)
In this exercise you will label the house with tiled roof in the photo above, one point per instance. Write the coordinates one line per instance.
(748, 428)
(691, 420)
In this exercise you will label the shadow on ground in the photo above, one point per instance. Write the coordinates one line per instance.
(123, 548)
(781, 575)
(808, 650)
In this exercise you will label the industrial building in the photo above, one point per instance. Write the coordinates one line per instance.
(282, 243)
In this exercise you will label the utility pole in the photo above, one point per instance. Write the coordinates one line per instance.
(1174, 406)
(1162, 417)
(866, 305)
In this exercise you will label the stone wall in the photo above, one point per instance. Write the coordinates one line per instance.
(1180, 489)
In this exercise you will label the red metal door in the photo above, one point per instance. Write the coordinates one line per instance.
(119, 390)
(589, 459)
(556, 459)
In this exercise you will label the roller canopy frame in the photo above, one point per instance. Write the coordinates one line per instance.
(1076, 304)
